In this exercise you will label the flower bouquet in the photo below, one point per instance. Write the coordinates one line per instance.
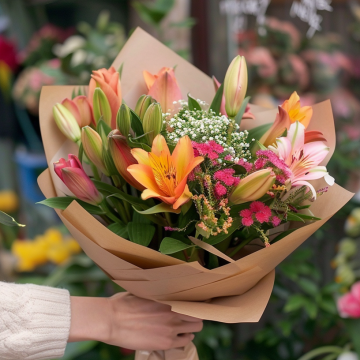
(188, 202)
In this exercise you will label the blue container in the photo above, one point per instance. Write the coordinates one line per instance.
(29, 167)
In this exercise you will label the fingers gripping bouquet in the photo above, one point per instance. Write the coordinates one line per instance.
(187, 202)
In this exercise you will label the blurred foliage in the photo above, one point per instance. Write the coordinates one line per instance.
(154, 13)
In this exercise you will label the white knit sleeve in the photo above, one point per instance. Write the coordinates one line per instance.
(34, 322)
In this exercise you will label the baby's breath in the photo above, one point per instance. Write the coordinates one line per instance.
(202, 126)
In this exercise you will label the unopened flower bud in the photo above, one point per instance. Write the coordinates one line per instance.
(66, 122)
(123, 120)
(152, 122)
(101, 107)
(142, 104)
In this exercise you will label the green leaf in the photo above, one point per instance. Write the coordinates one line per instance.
(213, 240)
(282, 235)
(216, 103)
(103, 129)
(187, 23)
(257, 132)
(131, 200)
(142, 145)
(295, 302)
(141, 234)
(170, 246)
(119, 229)
(241, 112)
(294, 217)
(311, 309)
(308, 286)
(261, 146)
(138, 218)
(121, 69)
(136, 124)
(160, 208)
(155, 12)
(104, 188)
(63, 202)
(193, 104)
(7, 220)
(81, 153)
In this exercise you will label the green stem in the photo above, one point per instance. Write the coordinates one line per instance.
(240, 246)
(168, 218)
(116, 181)
(323, 350)
(105, 207)
(122, 212)
(230, 130)
(95, 171)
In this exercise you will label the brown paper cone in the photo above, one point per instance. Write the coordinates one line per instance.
(187, 353)
(236, 292)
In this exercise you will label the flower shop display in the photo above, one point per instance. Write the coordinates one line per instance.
(183, 195)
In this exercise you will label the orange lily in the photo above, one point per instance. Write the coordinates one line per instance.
(296, 112)
(109, 82)
(163, 87)
(281, 123)
(164, 175)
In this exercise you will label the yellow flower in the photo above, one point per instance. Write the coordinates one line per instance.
(296, 112)
(9, 201)
(58, 254)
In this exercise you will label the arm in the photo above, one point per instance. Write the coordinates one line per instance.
(128, 321)
(34, 322)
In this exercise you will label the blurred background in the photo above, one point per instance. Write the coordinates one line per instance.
(308, 46)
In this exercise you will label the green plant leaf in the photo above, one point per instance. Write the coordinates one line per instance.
(193, 104)
(170, 246)
(160, 208)
(241, 112)
(103, 129)
(187, 23)
(119, 229)
(295, 302)
(63, 202)
(282, 235)
(308, 286)
(136, 124)
(81, 153)
(141, 234)
(216, 103)
(294, 217)
(257, 132)
(7, 220)
(131, 200)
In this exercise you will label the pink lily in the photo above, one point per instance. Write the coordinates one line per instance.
(81, 108)
(302, 158)
(163, 87)
(74, 177)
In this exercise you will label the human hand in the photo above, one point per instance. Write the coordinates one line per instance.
(128, 321)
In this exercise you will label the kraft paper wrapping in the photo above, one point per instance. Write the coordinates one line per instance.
(236, 292)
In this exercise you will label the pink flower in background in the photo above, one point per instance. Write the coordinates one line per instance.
(349, 304)
(262, 58)
(287, 28)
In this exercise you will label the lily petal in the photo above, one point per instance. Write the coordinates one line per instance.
(184, 198)
(159, 145)
(144, 175)
(141, 156)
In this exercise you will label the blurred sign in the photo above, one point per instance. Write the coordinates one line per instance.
(306, 10)
(238, 10)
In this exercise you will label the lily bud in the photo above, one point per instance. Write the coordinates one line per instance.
(93, 148)
(123, 120)
(101, 107)
(66, 122)
(142, 104)
(152, 122)
(235, 85)
(253, 187)
(74, 177)
(122, 157)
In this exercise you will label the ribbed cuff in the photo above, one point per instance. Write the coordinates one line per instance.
(48, 323)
